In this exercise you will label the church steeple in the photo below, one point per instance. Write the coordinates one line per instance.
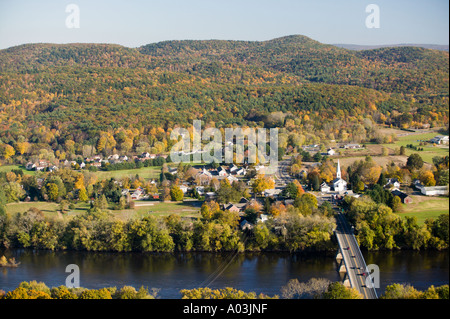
(338, 171)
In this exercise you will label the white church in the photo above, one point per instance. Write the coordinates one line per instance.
(338, 184)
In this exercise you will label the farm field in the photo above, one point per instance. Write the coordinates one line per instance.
(425, 207)
(429, 151)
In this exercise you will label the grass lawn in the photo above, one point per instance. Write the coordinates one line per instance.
(426, 207)
(8, 168)
(142, 208)
(150, 172)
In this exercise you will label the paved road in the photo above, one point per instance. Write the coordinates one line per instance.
(353, 258)
(282, 175)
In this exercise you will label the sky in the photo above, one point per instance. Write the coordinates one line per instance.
(134, 23)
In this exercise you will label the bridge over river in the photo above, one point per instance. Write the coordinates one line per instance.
(351, 261)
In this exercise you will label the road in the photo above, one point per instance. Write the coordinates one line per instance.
(282, 176)
(354, 261)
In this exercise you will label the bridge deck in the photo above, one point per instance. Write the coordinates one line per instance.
(353, 258)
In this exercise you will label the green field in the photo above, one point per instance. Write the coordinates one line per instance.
(155, 208)
(425, 207)
(429, 151)
(8, 168)
(151, 172)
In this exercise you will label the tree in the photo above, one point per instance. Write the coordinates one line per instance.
(52, 191)
(176, 194)
(427, 178)
(397, 204)
(314, 288)
(82, 195)
(414, 162)
(6, 151)
(337, 290)
(262, 183)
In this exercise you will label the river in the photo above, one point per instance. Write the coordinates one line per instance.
(259, 272)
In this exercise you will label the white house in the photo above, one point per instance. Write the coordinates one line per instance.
(184, 188)
(241, 171)
(324, 188)
(272, 192)
(222, 172)
(392, 182)
(232, 179)
(331, 152)
(200, 190)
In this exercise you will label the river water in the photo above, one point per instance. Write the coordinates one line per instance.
(259, 272)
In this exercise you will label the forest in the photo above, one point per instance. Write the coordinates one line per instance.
(62, 101)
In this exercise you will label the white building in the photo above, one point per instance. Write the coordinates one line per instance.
(439, 139)
(324, 188)
(331, 152)
(339, 185)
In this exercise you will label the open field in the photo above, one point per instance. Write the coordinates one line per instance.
(142, 208)
(380, 160)
(150, 172)
(426, 207)
(429, 151)
(8, 168)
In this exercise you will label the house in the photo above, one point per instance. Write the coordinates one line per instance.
(245, 225)
(210, 196)
(145, 155)
(331, 152)
(173, 170)
(263, 218)
(241, 171)
(113, 157)
(392, 182)
(30, 166)
(324, 188)
(222, 172)
(233, 169)
(232, 208)
(272, 192)
(200, 190)
(138, 193)
(339, 185)
(184, 188)
(232, 179)
(434, 190)
(406, 199)
(205, 172)
(439, 139)
(352, 146)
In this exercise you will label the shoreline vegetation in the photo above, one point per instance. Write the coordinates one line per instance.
(376, 228)
(8, 262)
(315, 288)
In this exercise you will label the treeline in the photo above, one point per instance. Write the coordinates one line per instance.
(39, 290)
(98, 230)
(315, 288)
(377, 227)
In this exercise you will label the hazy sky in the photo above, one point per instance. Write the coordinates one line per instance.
(134, 23)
